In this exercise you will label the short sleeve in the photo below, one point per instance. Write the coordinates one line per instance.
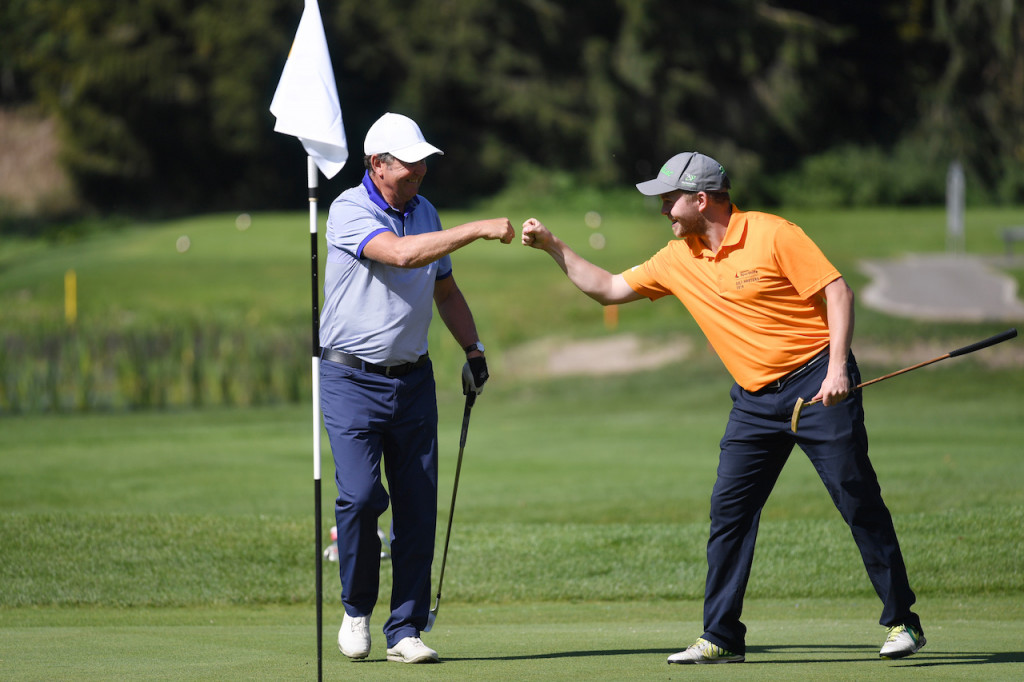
(802, 262)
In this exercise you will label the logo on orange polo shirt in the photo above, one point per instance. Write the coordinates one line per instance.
(745, 277)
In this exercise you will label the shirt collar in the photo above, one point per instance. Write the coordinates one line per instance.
(737, 228)
(734, 234)
(377, 198)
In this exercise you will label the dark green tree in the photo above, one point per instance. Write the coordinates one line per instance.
(163, 104)
(976, 109)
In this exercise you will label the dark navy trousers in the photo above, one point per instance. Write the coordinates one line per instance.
(757, 442)
(370, 418)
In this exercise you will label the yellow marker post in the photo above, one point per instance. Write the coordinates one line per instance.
(70, 297)
(611, 317)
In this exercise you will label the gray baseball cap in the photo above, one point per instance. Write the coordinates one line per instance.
(690, 172)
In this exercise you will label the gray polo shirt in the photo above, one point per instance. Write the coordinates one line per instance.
(377, 312)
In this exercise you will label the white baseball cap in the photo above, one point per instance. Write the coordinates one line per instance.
(399, 136)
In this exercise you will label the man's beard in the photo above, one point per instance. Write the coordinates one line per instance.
(694, 226)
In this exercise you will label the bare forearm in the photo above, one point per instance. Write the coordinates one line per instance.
(417, 250)
(592, 280)
(585, 275)
(839, 313)
(839, 298)
(455, 313)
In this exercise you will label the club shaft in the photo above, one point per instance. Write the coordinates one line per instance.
(901, 371)
(470, 399)
(990, 341)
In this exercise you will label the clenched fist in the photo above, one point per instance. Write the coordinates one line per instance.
(498, 228)
(535, 234)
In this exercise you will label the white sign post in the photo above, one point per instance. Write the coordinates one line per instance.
(955, 208)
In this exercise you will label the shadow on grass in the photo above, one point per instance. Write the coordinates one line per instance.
(944, 659)
(820, 653)
(564, 654)
(791, 654)
(537, 657)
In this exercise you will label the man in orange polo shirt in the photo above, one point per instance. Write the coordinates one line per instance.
(780, 317)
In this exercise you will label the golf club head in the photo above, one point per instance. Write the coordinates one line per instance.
(431, 617)
(797, 409)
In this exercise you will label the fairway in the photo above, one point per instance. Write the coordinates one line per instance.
(565, 563)
(177, 543)
(804, 640)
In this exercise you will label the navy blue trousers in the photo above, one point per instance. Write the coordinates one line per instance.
(757, 442)
(370, 418)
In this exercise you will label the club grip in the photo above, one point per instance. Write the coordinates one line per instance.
(990, 341)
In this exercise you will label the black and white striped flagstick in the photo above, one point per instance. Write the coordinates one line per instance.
(311, 172)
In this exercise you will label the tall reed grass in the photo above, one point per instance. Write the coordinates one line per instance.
(54, 368)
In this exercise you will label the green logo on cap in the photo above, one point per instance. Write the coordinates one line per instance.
(665, 170)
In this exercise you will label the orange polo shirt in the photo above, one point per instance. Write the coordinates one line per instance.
(756, 300)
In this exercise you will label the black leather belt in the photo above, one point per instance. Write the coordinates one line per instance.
(777, 385)
(349, 360)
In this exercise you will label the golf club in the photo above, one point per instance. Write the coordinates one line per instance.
(470, 399)
(991, 341)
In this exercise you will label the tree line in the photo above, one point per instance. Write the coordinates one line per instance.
(162, 105)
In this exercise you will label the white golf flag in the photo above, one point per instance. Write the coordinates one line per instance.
(306, 100)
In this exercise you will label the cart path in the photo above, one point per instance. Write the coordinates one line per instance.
(942, 287)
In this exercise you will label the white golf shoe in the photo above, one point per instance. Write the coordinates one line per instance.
(902, 640)
(705, 652)
(354, 636)
(412, 650)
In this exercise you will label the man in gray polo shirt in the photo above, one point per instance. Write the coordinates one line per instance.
(387, 265)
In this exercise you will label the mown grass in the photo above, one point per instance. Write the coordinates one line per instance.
(807, 640)
(577, 548)
(588, 499)
(177, 544)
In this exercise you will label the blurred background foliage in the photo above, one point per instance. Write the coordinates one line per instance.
(161, 106)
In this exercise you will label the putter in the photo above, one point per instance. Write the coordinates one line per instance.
(991, 341)
(432, 616)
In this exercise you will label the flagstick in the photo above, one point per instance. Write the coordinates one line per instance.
(306, 106)
(311, 172)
